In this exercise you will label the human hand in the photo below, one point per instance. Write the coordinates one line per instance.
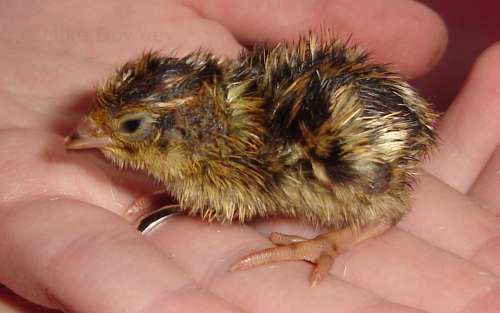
(64, 250)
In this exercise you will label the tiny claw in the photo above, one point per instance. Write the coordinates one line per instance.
(247, 262)
(276, 254)
(236, 267)
(280, 239)
(315, 279)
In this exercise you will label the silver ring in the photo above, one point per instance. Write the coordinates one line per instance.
(157, 217)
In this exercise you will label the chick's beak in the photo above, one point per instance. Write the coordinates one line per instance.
(84, 137)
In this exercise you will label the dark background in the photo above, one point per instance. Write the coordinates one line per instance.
(472, 27)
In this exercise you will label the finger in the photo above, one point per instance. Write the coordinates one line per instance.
(12, 303)
(44, 94)
(206, 251)
(33, 99)
(469, 132)
(96, 32)
(485, 188)
(405, 33)
(63, 253)
(450, 220)
(37, 165)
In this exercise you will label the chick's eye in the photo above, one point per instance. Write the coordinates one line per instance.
(131, 126)
(136, 126)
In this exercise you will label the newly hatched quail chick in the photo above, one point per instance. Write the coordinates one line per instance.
(311, 131)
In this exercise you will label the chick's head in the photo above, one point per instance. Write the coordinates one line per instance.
(133, 119)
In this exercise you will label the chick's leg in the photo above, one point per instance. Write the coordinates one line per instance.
(320, 250)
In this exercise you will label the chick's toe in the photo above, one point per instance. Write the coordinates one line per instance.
(320, 250)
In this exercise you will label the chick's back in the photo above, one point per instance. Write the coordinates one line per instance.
(341, 137)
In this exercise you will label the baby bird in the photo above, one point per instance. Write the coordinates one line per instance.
(311, 131)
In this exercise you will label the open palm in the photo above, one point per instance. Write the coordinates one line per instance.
(64, 245)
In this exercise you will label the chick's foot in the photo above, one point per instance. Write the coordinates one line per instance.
(320, 250)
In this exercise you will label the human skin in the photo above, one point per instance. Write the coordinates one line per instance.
(64, 245)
